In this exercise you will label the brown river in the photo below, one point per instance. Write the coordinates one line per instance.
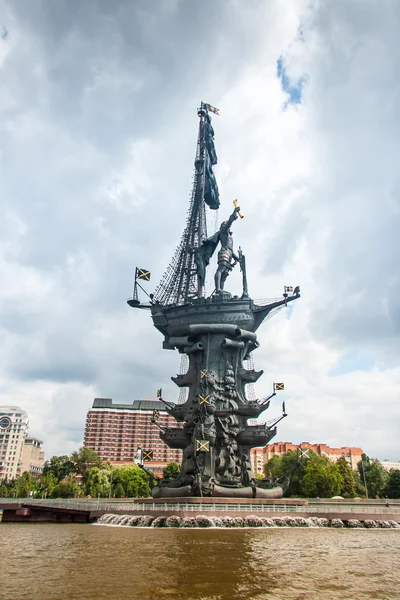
(89, 562)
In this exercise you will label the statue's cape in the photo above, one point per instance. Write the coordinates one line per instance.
(203, 255)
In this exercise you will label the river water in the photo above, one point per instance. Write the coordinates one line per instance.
(89, 562)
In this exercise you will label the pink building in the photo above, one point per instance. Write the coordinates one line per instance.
(260, 456)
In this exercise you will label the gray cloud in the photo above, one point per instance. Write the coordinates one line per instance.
(97, 141)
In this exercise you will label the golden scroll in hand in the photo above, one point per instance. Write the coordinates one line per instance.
(236, 204)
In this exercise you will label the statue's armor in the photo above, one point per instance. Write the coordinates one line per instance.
(225, 254)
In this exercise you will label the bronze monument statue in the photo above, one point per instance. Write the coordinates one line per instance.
(225, 254)
(218, 335)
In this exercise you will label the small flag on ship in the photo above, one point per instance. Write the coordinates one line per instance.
(204, 399)
(279, 387)
(147, 454)
(288, 288)
(202, 446)
(142, 274)
(159, 393)
(156, 414)
(212, 109)
(304, 453)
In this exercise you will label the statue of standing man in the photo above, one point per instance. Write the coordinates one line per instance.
(225, 255)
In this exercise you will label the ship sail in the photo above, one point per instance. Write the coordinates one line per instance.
(211, 192)
(182, 281)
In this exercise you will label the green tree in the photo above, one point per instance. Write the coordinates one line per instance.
(392, 489)
(83, 460)
(172, 470)
(350, 487)
(119, 491)
(8, 488)
(288, 465)
(3, 490)
(45, 485)
(134, 481)
(67, 488)
(375, 475)
(321, 478)
(59, 466)
(98, 482)
(273, 467)
(11, 485)
(24, 485)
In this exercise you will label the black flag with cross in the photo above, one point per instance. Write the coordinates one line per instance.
(279, 387)
(202, 446)
(147, 455)
(303, 453)
(142, 274)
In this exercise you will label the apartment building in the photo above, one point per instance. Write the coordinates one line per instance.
(257, 460)
(32, 456)
(13, 432)
(116, 431)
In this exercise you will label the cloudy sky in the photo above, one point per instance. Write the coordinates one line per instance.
(98, 128)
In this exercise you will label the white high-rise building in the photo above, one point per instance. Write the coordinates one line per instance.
(13, 432)
(388, 465)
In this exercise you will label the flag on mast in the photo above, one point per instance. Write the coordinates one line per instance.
(212, 109)
(142, 274)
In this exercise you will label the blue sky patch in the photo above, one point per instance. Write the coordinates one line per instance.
(4, 33)
(353, 360)
(289, 311)
(294, 89)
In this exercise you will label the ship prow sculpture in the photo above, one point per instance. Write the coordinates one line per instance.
(218, 335)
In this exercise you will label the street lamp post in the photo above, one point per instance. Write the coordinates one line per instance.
(111, 478)
(365, 483)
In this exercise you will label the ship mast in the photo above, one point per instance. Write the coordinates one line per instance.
(180, 283)
(200, 172)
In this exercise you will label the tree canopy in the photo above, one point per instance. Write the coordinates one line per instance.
(375, 476)
(322, 478)
(351, 485)
(314, 476)
(392, 489)
(80, 474)
(172, 470)
(84, 474)
(279, 466)
(59, 466)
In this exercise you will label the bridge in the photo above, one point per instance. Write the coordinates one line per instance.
(89, 510)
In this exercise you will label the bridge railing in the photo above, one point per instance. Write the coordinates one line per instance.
(115, 506)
